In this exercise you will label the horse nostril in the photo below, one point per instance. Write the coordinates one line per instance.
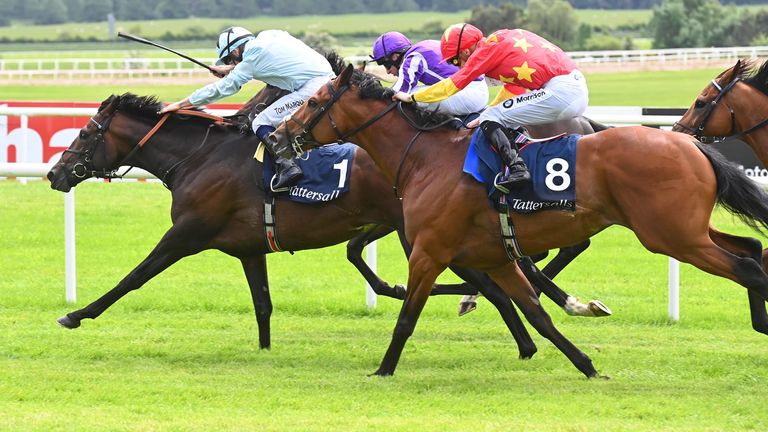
(50, 175)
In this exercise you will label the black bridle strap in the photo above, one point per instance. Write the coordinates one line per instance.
(343, 138)
(698, 132)
(402, 161)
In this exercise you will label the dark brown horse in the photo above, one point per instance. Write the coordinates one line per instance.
(666, 197)
(218, 203)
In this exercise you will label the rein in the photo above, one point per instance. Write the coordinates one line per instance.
(82, 170)
(305, 136)
(698, 132)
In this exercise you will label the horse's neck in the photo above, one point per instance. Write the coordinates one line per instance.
(388, 145)
(192, 152)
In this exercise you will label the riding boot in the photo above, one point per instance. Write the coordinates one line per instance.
(518, 171)
(288, 173)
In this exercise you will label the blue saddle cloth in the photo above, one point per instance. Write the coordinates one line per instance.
(326, 174)
(553, 173)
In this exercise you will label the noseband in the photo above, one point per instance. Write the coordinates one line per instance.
(305, 137)
(698, 132)
(85, 168)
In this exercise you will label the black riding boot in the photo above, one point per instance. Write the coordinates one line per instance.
(518, 171)
(288, 173)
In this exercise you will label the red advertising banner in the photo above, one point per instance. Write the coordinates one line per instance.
(46, 137)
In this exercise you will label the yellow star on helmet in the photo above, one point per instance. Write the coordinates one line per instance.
(548, 45)
(524, 72)
(522, 44)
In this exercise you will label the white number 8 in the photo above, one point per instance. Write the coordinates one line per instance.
(561, 173)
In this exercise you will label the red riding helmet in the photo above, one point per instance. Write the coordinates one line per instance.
(458, 37)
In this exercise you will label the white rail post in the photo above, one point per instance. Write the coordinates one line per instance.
(674, 289)
(370, 258)
(22, 154)
(69, 247)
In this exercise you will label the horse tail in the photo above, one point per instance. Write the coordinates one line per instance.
(736, 192)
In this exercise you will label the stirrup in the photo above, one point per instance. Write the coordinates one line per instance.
(498, 186)
(278, 190)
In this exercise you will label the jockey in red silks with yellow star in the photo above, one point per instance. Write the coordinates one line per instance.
(541, 84)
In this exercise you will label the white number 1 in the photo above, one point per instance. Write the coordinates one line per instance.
(342, 167)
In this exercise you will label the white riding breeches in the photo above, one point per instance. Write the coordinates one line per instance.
(472, 99)
(288, 104)
(562, 97)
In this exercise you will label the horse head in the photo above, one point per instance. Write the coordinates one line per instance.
(312, 125)
(730, 105)
(92, 154)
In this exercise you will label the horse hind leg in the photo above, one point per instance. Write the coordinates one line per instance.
(355, 256)
(746, 247)
(511, 279)
(255, 269)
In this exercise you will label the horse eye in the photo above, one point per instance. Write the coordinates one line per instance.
(699, 104)
(83, 135)
(312, 103)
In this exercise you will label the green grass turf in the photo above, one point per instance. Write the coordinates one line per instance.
(647, 88)
(181, 353)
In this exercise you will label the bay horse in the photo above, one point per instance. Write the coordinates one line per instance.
(661, 185)
(734, 105)
(580, 125)
(218, 202)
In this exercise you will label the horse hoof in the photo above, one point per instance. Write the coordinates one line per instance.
(466, 307)
(68, 322)
(381, 373)
(597, 376)
(599, 309)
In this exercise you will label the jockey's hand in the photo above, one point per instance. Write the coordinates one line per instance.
(221, 71)
(473, 124)
(175, 106)
(402, 97)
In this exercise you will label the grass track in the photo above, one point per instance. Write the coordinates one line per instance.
(181, 353)
(648, 88)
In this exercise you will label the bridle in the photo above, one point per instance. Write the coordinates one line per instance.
(301, 139)
(85, 169)
(305, 137)
(698, 132)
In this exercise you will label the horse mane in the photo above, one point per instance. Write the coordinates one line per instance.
(755, 74)
(369, 87)
(147, 107)
(337, 61)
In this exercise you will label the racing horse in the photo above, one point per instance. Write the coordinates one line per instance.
(734, 105)
(218, 202)
(355, 246)
(631, 176)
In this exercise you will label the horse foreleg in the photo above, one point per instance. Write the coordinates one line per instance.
(422, 273)
(749, 248)
(172, 247)
(498, 298)
(564, 257)
(511, 279)
(355, 256)
(255, 268)
(570, 304)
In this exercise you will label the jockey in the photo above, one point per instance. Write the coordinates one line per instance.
(523, 62)
(422, 62)
(274, 57)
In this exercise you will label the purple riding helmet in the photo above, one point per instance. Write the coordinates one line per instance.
(388, 44)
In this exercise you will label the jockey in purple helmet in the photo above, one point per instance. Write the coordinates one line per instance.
(422, 63)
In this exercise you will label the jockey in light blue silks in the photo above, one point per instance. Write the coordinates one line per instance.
(422, 63)
(274, 57)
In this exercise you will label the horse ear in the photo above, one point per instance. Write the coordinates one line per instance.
(737, 68)
(346, 74)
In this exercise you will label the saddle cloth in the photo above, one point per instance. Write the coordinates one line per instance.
(552, 164)
(326, 170)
